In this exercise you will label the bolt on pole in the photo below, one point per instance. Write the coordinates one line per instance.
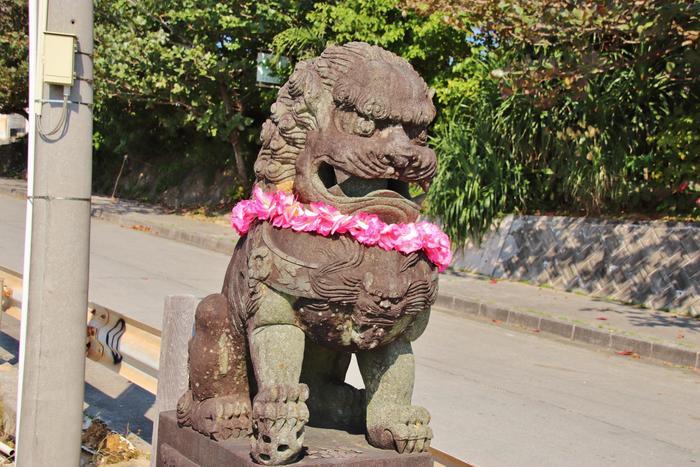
(52, 344)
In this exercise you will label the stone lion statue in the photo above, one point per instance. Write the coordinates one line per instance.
(348, 129)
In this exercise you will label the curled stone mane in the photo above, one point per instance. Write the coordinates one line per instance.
(341, 76)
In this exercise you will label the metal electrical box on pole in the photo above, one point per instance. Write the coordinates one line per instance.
(59, 58)
(52, 340)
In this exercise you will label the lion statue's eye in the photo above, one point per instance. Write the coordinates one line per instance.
(422, 137)
(364, 127)
(418, 135)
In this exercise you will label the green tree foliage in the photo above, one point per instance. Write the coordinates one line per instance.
(426, 41)
(180, 76)
(14, 54)
(184, 70)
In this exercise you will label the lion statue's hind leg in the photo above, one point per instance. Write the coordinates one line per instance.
(334, 403)
(217, 403)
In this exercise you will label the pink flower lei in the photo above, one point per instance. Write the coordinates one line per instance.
(282, 210)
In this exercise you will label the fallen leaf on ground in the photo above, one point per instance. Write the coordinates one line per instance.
(115, 448)
(496, 321)
(95, 434)
(535, 330)
(493, 281)
(628, 353)
(601, 318)
(107, 446)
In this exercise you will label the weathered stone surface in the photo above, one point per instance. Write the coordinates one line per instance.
(178, 321)
(348, 129)
(324, 447)
(653, 263)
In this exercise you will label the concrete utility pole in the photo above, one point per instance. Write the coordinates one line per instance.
(52, 345)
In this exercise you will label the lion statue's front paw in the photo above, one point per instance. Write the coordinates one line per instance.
(402, 428)
(279, 416)
(218, 417)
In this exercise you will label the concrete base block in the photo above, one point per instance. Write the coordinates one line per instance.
(184, 447)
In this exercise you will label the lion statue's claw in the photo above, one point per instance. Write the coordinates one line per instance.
(279, 417)
(404, 429)
(218, 417)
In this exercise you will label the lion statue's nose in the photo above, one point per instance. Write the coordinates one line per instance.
(407, 157)
(402, 160)
(413, 162)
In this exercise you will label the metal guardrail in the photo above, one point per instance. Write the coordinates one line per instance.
(126, 346)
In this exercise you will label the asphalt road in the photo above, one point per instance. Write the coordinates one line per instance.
(498, 397)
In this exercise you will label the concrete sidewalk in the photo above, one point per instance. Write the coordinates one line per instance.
(627, 330)
(630, 331)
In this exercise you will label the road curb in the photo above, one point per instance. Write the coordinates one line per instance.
(207, 242)
(606, 339)
(13, 192)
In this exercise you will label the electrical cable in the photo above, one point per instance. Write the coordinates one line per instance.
(62, 119)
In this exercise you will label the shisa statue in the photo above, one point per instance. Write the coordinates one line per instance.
(331, 262)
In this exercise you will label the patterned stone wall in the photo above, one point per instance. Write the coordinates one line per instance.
(653, 263)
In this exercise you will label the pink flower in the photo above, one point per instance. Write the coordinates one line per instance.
(367, 228)
(329, 220)
(242, 217)
(388, 237)
(342, 223)
(408, 238)
(262, 203)
(431, 235)
(282, 210)
(306, 221)
(285, 215)
(282, 201)
(436, 244)
(441, 257)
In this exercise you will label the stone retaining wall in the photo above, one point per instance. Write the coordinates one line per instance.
(653, 263)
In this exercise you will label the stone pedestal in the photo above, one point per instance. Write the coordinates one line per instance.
(184, 447)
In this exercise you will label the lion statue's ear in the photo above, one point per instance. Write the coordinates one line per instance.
(298, 80)
(283, 135)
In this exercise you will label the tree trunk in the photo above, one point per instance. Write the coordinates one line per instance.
(234, 136)
(241, 170)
